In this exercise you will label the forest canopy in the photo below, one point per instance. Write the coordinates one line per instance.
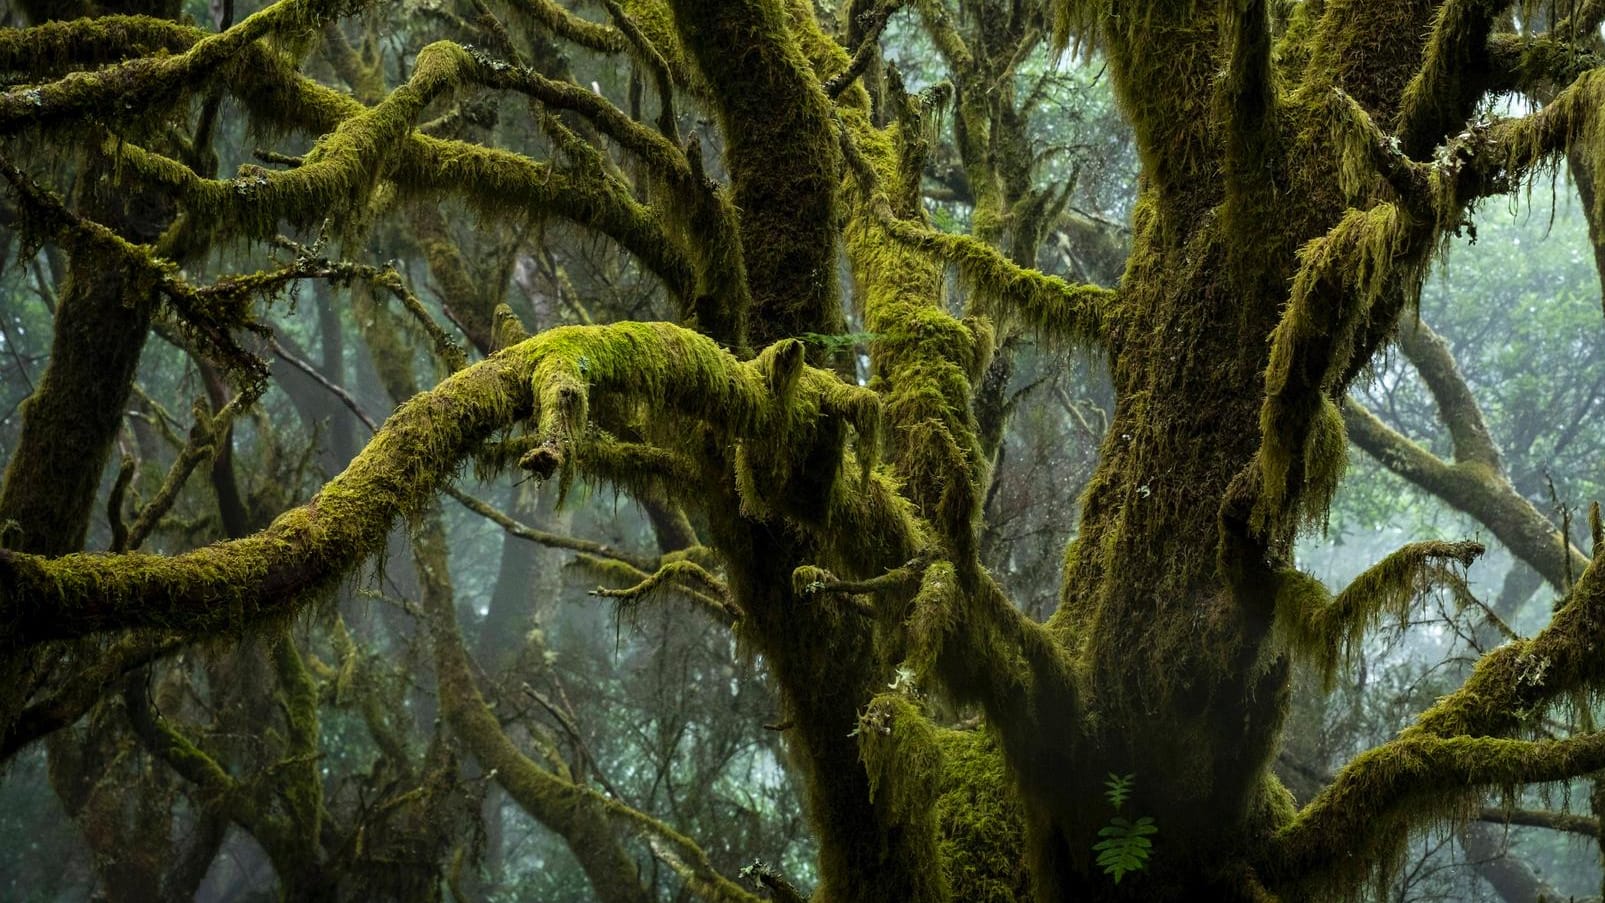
(917, 450)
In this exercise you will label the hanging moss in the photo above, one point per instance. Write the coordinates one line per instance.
(559, 20)
(901, 752)
(1329, 631)
(1356, 828)
(149, 80)
(1341, 278)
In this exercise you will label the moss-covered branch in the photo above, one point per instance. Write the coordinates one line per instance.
(711, 234)
(146, 81)
(1055, 309)
(1443, 92)
(1330, 630)
(1363, 270)
(1353, 827)
(232, 584)
(208, 314)
(1497, 158)
(557, 19)
(686, 576)
(1435, 766)
(362, 146)
(1473, 487)
(784, 163)
(51, 49)
(1537, 63)
(1248, 101)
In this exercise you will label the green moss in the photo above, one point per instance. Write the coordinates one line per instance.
(783, 159)
(901, 752)
(1328, 631)
(548, 379)
(1342, 277)
(560, 21)
(146, 81)
(980, 822)
(1356, 828)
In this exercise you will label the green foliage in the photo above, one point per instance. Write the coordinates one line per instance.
(839, 342)
(1119, 789)
(1125, 844)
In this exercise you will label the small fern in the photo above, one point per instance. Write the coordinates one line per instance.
(1119, 789)
(1125, 844)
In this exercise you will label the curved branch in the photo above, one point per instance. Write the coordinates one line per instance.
(1386, 789)
(1448, 83)
(542, 537)
(1456, 747)
(1360, 272)
(1472, 487)
(231, 584)
(357, 137)
(1331, 629)
(140, 83)
(1533, 63)
(598, 36)
(1055, 309)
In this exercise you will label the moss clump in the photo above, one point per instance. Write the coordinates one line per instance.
(901, 752)
(979, 821)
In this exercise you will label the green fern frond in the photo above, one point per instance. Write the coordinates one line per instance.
(1119, 789)
(1125, 844)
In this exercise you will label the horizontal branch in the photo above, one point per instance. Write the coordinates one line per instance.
(1566, 822)
(232, 584)
(1378, 796)
(1457, 746)
(1330, 630)
(1051, 307)
(359, 141)
(543, 537)
(138, 84)
(555, 17)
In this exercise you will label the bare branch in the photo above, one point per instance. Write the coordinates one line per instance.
(1470, 487)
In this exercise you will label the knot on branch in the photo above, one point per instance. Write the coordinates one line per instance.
(543, 461)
